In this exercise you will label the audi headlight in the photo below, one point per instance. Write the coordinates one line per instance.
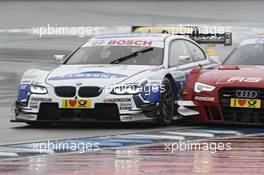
(36, 89)
(127, 90)
(200, 87)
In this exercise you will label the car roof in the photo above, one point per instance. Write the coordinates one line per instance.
(257, 39)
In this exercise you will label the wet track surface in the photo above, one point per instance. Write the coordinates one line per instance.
(142, 151)
(246, 157)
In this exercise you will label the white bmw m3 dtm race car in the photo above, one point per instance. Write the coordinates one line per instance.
(110, 78)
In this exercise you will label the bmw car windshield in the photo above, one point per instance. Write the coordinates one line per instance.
(250, 54)
(129, 55)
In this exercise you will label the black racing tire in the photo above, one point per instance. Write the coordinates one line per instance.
(166, 105)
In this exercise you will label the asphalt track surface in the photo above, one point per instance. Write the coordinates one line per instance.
(20, 51)
(150, 153)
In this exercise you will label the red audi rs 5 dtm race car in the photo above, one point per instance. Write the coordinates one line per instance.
(233, 92)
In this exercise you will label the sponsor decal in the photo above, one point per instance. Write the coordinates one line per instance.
(40, 99)
(33, 104)
(200, 98)
(117, 100)
(125, 106)
(76, 104)
(130, 42)
(245, 79)
(126, 118)
(84, 75)
(124, 103)
(179, 76)
(245, 103)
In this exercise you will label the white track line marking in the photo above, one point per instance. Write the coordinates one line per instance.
(222, 132)
(8, 95)
(27, 30)
(28, 150)
(8, 154)
(5, 91)
(149, 136)
(194, 134)
(2, 78)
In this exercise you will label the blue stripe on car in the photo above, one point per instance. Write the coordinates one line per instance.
(23, 92)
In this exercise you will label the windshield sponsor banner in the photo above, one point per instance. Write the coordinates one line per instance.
(130, 42)
(124, 42)
(84, 75)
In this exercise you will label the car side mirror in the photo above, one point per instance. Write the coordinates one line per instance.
(185, 58)
(59, 58)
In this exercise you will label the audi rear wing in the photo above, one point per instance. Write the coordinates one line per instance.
(190, 31)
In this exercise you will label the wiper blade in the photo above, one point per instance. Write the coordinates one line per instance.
(133, 54)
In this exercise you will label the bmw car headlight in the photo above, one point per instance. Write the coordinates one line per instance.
(200, 87)
(36, 89)
(127, 90)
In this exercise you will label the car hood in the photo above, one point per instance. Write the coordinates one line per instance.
(93, 75)
(238, 76)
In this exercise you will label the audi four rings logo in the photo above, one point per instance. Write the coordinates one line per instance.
(246, 94)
